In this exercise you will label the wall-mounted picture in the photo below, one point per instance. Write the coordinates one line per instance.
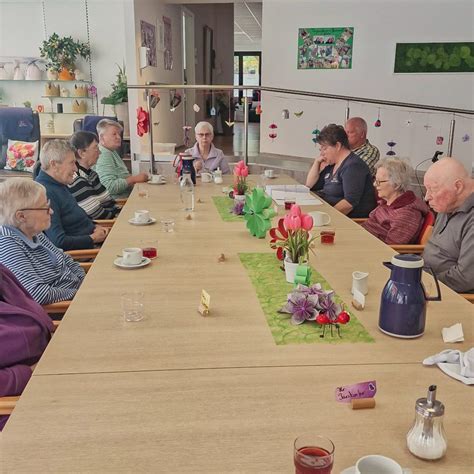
(149, 40)
(434, 57)
(168, 44)
(325, 48)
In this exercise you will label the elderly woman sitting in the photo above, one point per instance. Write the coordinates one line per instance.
(86, 188)
(113, 173)
(71, 228)
(207, 156)
(46, 272)
(25, 330)
(400, 214)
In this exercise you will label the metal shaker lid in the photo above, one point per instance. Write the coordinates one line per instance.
(429, 407)
(407, 261)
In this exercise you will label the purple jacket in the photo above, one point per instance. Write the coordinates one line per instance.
(25, 330)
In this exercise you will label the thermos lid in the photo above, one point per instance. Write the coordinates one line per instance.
(407, 261)
(429, 407)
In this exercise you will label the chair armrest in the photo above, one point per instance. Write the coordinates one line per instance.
(56, 325)
(86, 266)
(59, 307)
(120, 202)
(416, 249)
(86, 253)
(7, 404)
(105, 222)
(359, 220)
(468, 296)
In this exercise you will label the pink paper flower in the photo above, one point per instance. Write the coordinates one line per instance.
(306, 222)
(292, 222)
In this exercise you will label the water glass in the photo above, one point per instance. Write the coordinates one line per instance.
(142, 191)
(313, 454)
(132, 306)
(167, 225)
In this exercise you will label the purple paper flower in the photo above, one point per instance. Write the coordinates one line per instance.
(238, 208)
(92, 91)
(327, 305)
(302, 307)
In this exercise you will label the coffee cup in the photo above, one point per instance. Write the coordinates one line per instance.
(142, 217)
(269, 173)
(206, 177)
(376, 464)
(157, 178)
(320, 218)
(132, 256)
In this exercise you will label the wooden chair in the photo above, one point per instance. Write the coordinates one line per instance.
(120, 202)
(468, 296)
(105, 222)
(86, 253)
(7, 404)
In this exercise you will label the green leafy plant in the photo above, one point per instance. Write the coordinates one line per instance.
(62, 52)
(119, 92)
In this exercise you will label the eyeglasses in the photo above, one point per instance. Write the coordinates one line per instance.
(378, 183)
(202, 135)
(46, 208)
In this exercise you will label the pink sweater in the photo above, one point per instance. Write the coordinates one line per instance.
(399, 223)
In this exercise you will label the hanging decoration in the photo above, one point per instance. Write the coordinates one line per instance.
(213, 112)
(196, 108)
(298, 114)
(143, 121)
(175, 99)
(408, 122)
(427, 124)
(230, 122)
(315, 133)
(439, 140)
(391, 152)
(285, 114)
(378, 122)
(273, 134)
(258, 213)
(465, 138)
(258, 110)
(92, 91)
(154, 98)
(186, 130)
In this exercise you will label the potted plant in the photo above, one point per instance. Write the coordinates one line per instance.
(61, 54)
(118, 99)
(241, 171)
(292, 240)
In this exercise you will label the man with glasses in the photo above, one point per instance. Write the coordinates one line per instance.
(450, 250)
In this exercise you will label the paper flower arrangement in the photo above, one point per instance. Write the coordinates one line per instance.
(315, 304)
(142, 121)
(241, 171)
(292, 237)
(257, 213)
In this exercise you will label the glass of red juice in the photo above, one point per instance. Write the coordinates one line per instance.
(328, 236)
(150, 252)
(313, 454)
(289, 203)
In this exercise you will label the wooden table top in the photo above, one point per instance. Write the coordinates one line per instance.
(222, 421)
(93, 338)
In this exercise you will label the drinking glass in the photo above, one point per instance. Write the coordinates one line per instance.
(149, 248)
(290, 196)
(132, 306)
(142, 191)
(313, 454)
(167, 225)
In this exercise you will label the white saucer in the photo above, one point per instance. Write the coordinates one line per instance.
(134, 222)
(157, 182)
(454, 370)
(349, 470)
(145, 262)
(275, 176)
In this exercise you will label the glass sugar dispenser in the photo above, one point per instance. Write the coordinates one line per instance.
(427, 438)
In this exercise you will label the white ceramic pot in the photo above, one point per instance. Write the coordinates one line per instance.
(290, 270)
(18, 73)
(239, 197)
(4, 75)
(33, 72)
(52, 75)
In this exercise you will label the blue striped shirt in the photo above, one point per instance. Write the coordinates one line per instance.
(46, 272)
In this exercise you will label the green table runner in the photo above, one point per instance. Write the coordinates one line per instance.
(224, 205)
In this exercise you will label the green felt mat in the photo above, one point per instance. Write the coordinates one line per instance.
(224, 205)
(272, 290)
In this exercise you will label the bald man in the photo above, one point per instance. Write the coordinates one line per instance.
(356, 130)
(450, 250)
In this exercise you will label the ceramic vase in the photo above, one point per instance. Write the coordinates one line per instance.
(33, 72)
(290, 270)
(239, 198)
(52, 75)
(66, 75)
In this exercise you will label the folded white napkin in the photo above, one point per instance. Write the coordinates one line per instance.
(457, 364)
(453, 333)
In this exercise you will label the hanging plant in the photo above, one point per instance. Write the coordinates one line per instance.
(62, 52)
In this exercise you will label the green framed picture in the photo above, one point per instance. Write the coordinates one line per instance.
(325, 48)
(434, 57)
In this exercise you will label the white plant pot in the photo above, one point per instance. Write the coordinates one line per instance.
(33, 72)
(121, 110)
(52, 75)
(240, 197)
(290, 270)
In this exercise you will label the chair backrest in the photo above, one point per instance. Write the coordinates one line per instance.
(12, 121)
(426, 228)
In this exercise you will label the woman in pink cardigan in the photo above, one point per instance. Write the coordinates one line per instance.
(399, 216)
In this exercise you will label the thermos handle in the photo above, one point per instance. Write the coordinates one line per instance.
(432, 298)
(389, 265)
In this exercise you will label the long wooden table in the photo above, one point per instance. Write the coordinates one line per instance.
(179, 393)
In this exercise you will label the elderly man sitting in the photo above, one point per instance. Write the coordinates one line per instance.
(356, 130)
(71, 228)
(113, 173)
(450, 251)
(46, 272)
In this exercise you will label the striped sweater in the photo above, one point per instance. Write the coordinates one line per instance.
(91, 195)
(46, 272)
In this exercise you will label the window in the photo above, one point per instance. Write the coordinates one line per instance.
(247, 67)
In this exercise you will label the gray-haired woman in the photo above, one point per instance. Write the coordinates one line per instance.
(46, 272)
(399, 216)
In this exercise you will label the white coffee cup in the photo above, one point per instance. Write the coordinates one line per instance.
(132, 256)
(269, 173)
(141, 217)
(206, 177)
(320, 218)
(157, 178)
(360, 282)
(218, 179)
(376, 464)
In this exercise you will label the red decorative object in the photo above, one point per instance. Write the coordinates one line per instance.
(143, 121)
(343, 317)
(322, 319)
(378, 123)
(276, 234)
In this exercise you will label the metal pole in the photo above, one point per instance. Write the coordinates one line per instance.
(348, 112)
(451, 137)
(150, 118)
(246, 129)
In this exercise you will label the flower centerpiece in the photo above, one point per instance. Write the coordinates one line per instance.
(241, 171)
(292, 240)
(61, 54)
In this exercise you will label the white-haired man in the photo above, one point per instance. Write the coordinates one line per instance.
(113, 173)
(356, 130)
(450, 250)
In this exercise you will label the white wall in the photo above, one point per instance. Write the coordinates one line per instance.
(21, 34)
(378, 25)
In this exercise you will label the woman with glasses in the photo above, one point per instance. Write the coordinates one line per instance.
(400, 214)
(86, 187)
(206, 156)
(339, 176)
(46, 272)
